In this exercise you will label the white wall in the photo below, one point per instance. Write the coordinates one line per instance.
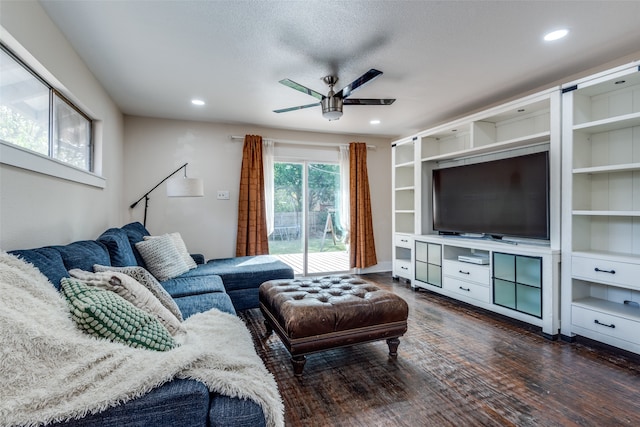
(35, 209)
(156, 147)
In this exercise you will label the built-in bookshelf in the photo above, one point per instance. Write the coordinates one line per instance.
(601, 212)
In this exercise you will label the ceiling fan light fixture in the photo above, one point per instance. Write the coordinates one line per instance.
(331, 107)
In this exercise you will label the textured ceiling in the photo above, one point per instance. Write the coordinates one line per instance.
(439, 58)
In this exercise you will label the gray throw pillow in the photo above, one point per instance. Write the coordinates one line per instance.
(162, 258)
(146, 278)
(181, 247)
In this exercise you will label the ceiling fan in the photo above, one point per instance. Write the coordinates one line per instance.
(333, 102)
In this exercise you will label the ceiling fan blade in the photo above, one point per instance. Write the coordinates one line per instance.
(367, 101)
(365, 78)
(299, 107)
(303, 89)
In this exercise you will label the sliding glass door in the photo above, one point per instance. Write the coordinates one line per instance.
(308, 232)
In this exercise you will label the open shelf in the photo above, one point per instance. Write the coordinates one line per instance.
(492, 148)
(605, 213)
(628, 167)
(609, 124)
(617, 309)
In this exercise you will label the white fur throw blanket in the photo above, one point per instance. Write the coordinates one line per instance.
(52, 371)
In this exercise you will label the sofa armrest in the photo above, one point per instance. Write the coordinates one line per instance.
(198, 258)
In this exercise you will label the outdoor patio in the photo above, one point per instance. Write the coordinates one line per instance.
(319, 262)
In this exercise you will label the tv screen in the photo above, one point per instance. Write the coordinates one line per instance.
(507, 197)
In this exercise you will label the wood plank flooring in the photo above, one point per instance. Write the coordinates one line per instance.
(457, 366)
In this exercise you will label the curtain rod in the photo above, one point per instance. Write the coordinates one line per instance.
(316, 144)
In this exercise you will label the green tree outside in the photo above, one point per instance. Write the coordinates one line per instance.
(324, 195)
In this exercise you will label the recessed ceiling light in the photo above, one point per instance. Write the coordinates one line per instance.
(375, 122)
(197, 102)
(556, 35)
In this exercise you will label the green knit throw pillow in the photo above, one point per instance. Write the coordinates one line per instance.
(105, 314)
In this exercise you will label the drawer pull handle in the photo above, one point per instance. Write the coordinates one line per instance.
(404, 268)
(605, 271)
(597, 322)
(469, 290)
(404, 240)
(463, 272)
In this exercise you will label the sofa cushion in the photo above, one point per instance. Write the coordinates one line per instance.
(162, 258)
(150, 282)
(193, 304)
(248, 271)
(189, 285)
(135, 233)
(83, 254)
(233, 412)
(47, 260)
(105, 314)
(244, 299)
(120, 250)
(179, 402)
(201, 270)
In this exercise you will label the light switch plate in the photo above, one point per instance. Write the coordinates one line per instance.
(223, 194)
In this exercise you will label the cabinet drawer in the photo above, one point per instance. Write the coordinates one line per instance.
(606, 271)
(403, 241)
(472, 290)
(467, 271)
(605, 323)
(403, 268)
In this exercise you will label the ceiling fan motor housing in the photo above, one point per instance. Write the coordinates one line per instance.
(331, 107)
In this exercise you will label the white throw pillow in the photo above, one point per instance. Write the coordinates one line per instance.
(134, 292)
(146, 278)
(162, 258)
(181, 247)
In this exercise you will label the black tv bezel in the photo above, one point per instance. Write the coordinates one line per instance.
(495, 234)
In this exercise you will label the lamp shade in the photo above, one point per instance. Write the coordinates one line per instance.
(185, 187)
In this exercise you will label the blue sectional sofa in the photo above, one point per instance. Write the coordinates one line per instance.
(179, 402)
(242, 276)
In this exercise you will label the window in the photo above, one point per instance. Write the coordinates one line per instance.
(36, 117)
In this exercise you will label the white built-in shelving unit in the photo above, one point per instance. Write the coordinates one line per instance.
(601, 208)
(405, 192)
(527, 125)
(591, 129)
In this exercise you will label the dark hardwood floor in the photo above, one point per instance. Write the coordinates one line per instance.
(457, 366)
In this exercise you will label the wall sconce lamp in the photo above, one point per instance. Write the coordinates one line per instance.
(185, 187)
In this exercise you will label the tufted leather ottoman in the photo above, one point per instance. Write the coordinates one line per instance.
(320, 313)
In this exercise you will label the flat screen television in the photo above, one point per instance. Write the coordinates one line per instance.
(507, 197)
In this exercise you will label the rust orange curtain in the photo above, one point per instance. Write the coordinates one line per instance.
(362, 243)
(252, 219)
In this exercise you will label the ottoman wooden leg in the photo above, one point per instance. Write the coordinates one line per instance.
(298, 365)
(269, 329)
(393, 347)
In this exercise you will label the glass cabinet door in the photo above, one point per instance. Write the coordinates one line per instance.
(517, 283)
(428, 267)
